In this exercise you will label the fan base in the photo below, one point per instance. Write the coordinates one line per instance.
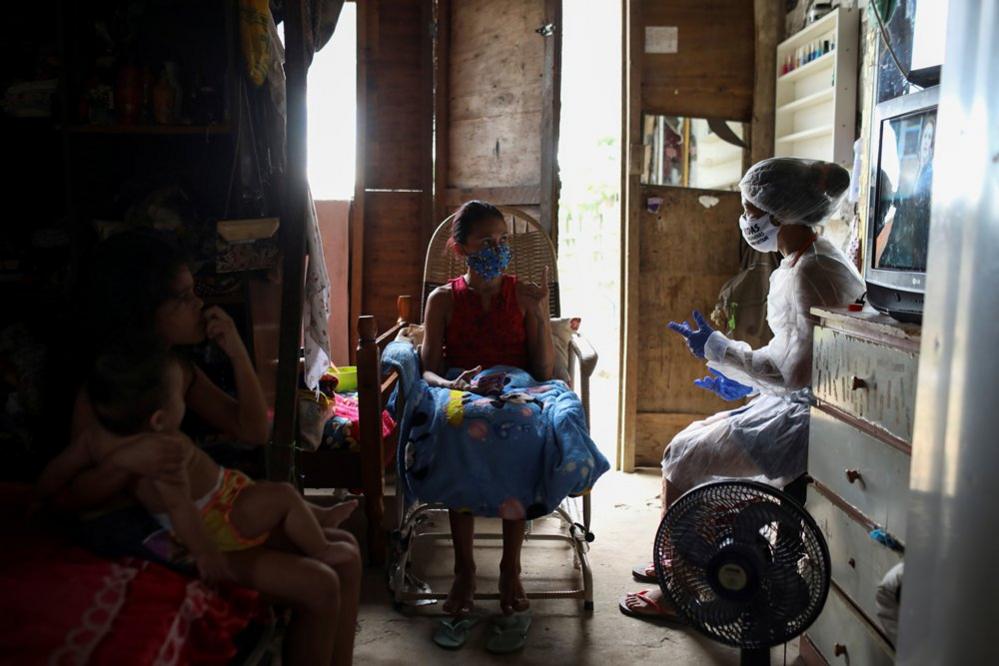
(757, 657)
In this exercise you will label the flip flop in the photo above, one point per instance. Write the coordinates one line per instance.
(508, 633)
(452, 632)
(664, 613)
(638, 573)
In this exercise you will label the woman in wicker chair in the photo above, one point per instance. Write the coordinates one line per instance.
(477, 321)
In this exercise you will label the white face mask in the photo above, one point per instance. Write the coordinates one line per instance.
(759, 232)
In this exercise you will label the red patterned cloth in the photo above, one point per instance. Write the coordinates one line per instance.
(477, 337)
(62, 604)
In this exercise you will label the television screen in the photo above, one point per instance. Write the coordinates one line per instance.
(905, 175)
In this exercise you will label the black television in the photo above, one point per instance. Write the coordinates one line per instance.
(898, 208)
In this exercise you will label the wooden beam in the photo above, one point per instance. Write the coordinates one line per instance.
(631, 170)
(357, 209)
(498, 196)
(427, 176)
(370, 423)
(551, 96)
(442, 106)
(769, 20)
(293, 234)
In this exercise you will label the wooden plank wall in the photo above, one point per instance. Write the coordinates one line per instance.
(679, 259)
(500, 76)
(711, 74)
(392, 224)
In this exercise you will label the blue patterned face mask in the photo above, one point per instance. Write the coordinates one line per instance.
(490, 261)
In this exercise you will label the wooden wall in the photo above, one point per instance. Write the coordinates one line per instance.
(392, 213)
(711, 74)
(498, 104)
(334, 226)
(495, 94)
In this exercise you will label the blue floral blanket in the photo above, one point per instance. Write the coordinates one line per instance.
(515, 450)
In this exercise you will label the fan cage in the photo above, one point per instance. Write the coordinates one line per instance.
(782, 539)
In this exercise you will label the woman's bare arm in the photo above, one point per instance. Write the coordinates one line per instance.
(533, 299)
(432, 351)
(244, 417)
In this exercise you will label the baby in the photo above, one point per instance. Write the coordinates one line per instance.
(210, 509)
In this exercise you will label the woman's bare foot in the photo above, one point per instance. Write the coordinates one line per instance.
(513, 599)
(333, 516)
(460, 599)
(648, 604)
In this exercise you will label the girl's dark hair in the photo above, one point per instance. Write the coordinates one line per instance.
(131, 275)
(466, 217)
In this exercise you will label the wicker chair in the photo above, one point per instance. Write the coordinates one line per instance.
(533, 250)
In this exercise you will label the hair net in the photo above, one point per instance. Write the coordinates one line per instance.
(795, 191)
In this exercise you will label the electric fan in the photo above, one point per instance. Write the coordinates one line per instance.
(744, 564)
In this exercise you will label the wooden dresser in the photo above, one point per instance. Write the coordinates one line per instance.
(864, 380)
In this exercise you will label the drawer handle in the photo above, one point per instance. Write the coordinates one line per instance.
(853, 475)
(839, 649)
(858, 383)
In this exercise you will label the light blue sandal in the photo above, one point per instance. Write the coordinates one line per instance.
(452, 632)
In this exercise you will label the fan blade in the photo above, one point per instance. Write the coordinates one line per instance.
(754, 517)
(690, 545)
(784, 597)
(718, 612)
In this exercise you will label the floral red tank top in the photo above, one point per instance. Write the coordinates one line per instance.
(477, 337)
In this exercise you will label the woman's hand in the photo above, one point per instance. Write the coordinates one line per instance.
(220, 329)
(534, 296)
(463, 382)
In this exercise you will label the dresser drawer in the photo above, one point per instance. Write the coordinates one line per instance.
(869, 474)
(870, 381)
(844, 637)
(858, 562)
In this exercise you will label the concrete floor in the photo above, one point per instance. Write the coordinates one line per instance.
(625, 516)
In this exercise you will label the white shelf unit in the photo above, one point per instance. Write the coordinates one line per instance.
(816, 103)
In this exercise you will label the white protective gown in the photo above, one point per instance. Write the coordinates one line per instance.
(768, 438)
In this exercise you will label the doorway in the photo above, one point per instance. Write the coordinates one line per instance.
(589, 231)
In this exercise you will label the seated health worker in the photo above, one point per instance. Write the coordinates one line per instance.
(784, 201)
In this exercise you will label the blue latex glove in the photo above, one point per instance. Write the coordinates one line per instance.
(696, 338)
(725, 388)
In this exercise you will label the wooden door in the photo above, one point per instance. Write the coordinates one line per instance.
(689, 249)
(678, 258)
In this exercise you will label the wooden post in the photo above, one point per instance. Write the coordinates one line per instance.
(293, 230)
(551, 106)
(370, 425)
(404, 306)
(442, 107)
(632, 151)
(427, 207)
(768, 17)
(357, 208)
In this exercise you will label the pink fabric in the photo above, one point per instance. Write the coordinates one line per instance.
(64, 605)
